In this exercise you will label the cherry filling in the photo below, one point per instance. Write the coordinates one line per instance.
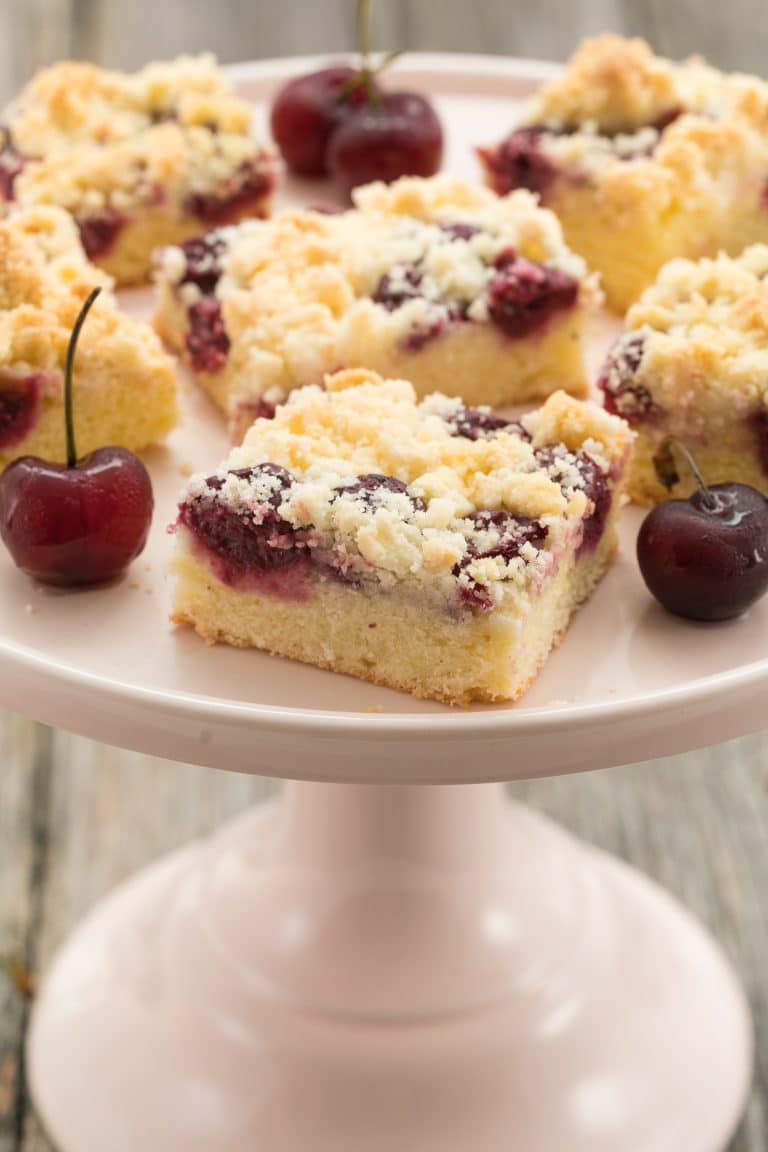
(19, 407)
(202, 255)
(394, 291)
(371, 489)
(475, 424)
(622, 394)
(99, 232)
(520, 162)
(513, 531)
(243, 545)
(11, 164)
(460, 230)
(594, 485)
(248, 185)
(523, 295)
(206, 340)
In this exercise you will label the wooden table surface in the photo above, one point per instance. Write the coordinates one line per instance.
(75, 818)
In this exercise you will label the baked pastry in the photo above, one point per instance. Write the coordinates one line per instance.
(124, 382)
(433, 280)
(139, 159)
(429, 547)
(643, 160)
(693, 363)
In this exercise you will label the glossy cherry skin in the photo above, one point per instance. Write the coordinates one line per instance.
(401, 135)
(305, 113)
(707, 564)
(80, 525)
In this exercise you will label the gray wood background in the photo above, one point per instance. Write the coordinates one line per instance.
(75, 818)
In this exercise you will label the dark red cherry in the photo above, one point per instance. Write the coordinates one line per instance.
(400, 135)
(80, 525)
(706, 558)
(81, 522)
(305, 113)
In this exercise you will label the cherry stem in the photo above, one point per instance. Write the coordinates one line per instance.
(70, 361)
(668, 446)
(364, 33)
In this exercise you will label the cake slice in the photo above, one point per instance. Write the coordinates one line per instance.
(432, 280)
(643, 160)
(693, 363)
(140, 160)
(124, 385)
(429, 547)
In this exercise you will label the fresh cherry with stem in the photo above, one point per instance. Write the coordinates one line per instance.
(77, 523)
(704, 558)
(339, 120)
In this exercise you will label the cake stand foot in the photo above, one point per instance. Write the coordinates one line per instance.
(390, 969)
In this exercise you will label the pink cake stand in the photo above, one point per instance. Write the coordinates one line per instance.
(391, 957)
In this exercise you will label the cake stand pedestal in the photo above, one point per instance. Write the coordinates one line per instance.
(363, 968)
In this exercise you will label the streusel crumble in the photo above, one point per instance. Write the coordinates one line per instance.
(139, 160)
(125, 389)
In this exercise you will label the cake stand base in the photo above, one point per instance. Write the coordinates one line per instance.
(390, 969)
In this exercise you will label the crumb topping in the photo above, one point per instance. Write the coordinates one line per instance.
(681, 124)
(297, 289)
(44, 279)
(703, 330)
(391, 491)
(90, 137)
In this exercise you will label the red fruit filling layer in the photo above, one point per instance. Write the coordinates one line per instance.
(99, 232)
(11, 164)
(475, 424)
(202, 256)
(242, 192)
(256, 548)
(522, 295)
(514, 532)
(622, 395)
(206, 340)
(594, 485)
(521, 162)
(19, 407)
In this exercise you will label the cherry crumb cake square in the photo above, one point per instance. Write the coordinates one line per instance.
(429, 547)
(124, 381)
(643, 160)
(139, 160)
(432, 280)
(693, 363)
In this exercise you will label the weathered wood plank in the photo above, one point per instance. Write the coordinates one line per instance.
(24, 779)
